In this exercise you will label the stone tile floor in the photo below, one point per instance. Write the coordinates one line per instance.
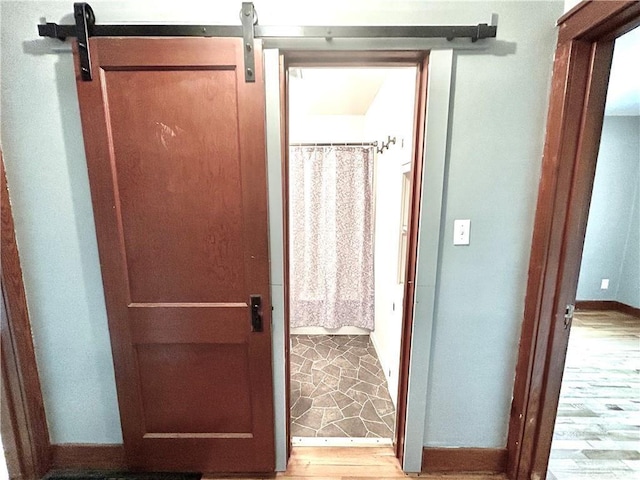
(338, 388)
(597, 431)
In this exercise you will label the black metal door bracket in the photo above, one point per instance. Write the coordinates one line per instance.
(249, 19)
(249, 29)
(256, 313)
(85, 19)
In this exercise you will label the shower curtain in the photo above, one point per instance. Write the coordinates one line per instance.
(331, 236)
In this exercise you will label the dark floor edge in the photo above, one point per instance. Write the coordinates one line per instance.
(81, 460)
(467, 460)
(81, 474)
(607, 305)
(93, 456)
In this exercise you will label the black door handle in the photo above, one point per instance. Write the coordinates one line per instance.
(256, 313)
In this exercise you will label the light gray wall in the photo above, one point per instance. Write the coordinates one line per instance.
(49, 191)
(498, 112)
(496, 138)
(612, 242)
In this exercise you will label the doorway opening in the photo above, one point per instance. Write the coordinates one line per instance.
(352, 143)
(596, 429)
(582, 65)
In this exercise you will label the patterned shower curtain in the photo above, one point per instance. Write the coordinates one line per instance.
(331, 243)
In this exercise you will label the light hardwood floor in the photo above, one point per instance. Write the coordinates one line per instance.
(597, 431)
(352, 463)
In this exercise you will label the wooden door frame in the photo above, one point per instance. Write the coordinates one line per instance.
(24, 424)
(345, 59)
(576, 109)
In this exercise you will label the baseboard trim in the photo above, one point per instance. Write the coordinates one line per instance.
(83, 455)
(476, 460)
(608, 305)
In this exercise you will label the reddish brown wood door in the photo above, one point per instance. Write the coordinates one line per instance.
(175, 148)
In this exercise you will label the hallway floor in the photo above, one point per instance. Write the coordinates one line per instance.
(597, 432)
(338, 388)
(350, 463)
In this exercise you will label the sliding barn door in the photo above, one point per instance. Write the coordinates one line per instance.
(175, 148)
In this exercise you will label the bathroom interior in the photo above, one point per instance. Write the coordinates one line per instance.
(350, 133)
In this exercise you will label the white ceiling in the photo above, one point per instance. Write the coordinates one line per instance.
(334, 91)
(623, 97)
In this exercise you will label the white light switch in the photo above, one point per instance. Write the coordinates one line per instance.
(461, 232)
(604, 284)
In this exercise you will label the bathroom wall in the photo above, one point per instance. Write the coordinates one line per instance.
(326, 128)
(390, 114)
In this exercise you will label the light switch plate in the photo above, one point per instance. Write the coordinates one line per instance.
(461, 232)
